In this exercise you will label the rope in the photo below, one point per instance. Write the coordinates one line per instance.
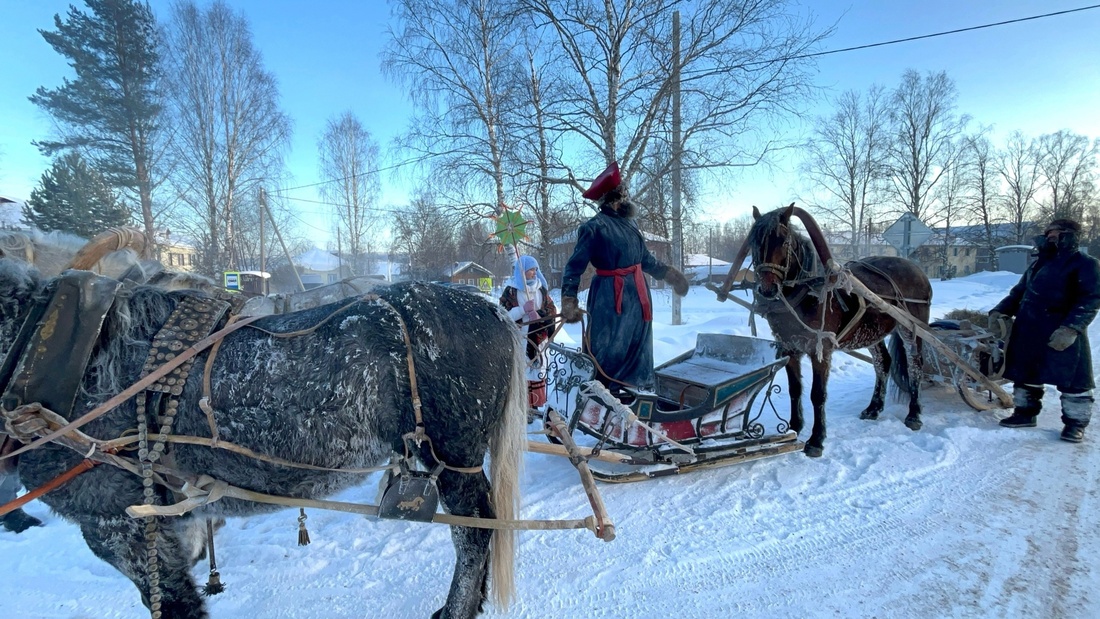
(207, 490)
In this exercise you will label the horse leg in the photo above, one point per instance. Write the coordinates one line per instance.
(815, 446)
(794, 386)
(916, 375)
(120, 541)
(467, 494)
(880, 358)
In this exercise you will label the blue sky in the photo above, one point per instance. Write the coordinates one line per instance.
(1038, 76)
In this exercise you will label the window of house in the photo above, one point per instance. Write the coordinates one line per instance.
(955, 251)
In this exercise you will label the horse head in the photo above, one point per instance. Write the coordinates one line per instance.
(772, 244)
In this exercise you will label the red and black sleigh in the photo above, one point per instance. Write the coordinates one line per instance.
(705, 411)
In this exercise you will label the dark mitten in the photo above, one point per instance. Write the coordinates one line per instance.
(570, 310)
(1062, 338)
(677, 280)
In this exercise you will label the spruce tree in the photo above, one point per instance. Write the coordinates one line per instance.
(73, 197)
(111, 110)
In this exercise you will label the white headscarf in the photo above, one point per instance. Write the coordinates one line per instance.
(519, 280)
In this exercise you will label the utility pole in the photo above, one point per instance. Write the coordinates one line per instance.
(677, 224)
(263, 256)
(286, 251)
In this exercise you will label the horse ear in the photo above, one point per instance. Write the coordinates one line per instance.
(755, 213)
(788, 212)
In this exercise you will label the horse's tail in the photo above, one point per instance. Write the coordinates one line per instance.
(899, 368)
(507, 446)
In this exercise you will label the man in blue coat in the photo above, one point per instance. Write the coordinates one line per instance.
(620, 331)
(1054, 302)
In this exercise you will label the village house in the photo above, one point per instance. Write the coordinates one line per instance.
(470, 274)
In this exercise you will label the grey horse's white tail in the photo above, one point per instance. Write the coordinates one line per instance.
(506, 451)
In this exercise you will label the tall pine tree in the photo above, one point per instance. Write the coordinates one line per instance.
(110, 112)
(73, 197)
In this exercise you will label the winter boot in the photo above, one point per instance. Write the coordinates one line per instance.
(1029, 401)
(1076, 413)
(18, 521)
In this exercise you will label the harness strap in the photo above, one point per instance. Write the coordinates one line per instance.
(137, 387)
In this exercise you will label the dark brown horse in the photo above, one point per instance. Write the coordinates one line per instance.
(811, 311)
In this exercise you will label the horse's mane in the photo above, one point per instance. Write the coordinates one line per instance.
(805, 264)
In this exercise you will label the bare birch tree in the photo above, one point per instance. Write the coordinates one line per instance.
(456, 60)
(1067, 162)
(843, 161)
(1018, 165)
(924, 126)
(426, 234)
(740, 68)
(230, 130)
(349, 159)
(950, 202)
(984, 194)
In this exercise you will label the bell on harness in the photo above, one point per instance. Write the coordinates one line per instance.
(410, 494)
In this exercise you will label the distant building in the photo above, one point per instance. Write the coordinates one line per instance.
(178, 254)
(318, 267)
(11, 214)
(470, 273)
(1015, 258)
(701, 268)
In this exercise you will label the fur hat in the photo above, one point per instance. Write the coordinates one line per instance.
(1065, 225)
(607, 180)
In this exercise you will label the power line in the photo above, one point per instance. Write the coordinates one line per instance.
(927, 36)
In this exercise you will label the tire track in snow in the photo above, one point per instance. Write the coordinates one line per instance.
(832, 527)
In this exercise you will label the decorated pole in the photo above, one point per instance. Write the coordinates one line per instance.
(511, 228)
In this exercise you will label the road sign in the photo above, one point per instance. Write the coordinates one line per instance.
(907, 234)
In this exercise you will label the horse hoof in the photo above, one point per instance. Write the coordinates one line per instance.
(813, 451)
(868, 415)
(913, 424)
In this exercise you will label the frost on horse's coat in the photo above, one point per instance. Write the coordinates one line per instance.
(336, 396)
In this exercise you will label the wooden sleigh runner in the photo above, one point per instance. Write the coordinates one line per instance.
(703, 413)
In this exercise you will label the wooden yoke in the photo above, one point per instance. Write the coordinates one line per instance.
(727, 285)
(114, 239)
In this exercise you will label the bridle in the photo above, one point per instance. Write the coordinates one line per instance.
(762, 268)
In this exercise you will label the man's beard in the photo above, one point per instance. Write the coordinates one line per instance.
(1047, 248)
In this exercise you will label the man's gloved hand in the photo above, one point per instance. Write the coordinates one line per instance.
(677, 280)
(530, 310)
(1062, 338)
(999, 324)
(570, 311)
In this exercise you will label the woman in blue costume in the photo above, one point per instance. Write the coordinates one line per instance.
(620, 330)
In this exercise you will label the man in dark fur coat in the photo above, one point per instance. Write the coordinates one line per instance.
(620, 332)
(1054, 302)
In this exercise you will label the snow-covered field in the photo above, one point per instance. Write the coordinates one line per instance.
(961, 519)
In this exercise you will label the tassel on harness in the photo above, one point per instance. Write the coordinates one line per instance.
(214, 584)
(303, 532)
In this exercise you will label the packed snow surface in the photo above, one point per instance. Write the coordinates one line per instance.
(961, 519)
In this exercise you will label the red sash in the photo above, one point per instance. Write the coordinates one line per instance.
(639, 283)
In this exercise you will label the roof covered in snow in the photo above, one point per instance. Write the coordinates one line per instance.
(11, 213)
(317, 260)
